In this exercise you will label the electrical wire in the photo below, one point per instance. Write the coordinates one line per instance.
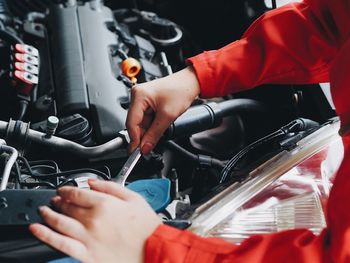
(68, 181)
(200, 159)
(45, 162)
(274, 4)
(294, 126)
(61, 174)
(23, 106)
(39, 183)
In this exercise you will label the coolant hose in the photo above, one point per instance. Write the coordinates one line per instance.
(207, 116)
(18, 131)
(229, 107)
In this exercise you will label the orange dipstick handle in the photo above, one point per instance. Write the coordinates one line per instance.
(130, 68)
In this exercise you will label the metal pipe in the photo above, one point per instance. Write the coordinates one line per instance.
(8, 167)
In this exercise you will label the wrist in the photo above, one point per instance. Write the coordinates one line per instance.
(193, 81)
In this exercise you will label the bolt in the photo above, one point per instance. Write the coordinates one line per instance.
(51, 126)
(23, 216)
(3, 205)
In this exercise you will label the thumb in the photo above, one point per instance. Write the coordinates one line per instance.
(160, 123)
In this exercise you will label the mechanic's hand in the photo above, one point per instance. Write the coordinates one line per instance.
(110, 224)
(156, 104)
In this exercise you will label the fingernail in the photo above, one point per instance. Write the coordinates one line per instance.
(34, 228)
(55, 199)
(147, 148)
(42, 209)
(92, 181)
(62, 189)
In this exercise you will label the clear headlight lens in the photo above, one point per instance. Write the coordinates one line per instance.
(287, 192)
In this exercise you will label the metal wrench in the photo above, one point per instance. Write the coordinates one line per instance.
(128, 167)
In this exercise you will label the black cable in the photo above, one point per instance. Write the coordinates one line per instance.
(23, 106)
(274, 4)
(45, 162)
(20, 183)
(66, 173)
(40, 183)
(69, 181)
(294, 126)
(18, 176)
(234, 160)
(210, 161)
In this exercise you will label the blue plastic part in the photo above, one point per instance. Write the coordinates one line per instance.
(155, 191)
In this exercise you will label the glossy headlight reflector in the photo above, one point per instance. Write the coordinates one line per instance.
(287, 192)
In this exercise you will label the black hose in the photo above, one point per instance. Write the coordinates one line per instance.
(8, 130)
(10, 37)
(207, 116)
(200, 159)
(229, 107)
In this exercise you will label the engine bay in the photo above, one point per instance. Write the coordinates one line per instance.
(66, 73)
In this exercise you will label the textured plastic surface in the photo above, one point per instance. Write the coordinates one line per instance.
(84, 79)
(20, 207)
(155, 191)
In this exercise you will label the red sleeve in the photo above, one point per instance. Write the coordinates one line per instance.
(294, 44)
(171, 245)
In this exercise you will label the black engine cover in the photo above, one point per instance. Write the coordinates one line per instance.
(80, 44)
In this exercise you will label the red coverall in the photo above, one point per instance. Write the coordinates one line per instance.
(307, 42)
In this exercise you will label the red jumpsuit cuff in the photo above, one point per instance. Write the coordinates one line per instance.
(202, 65)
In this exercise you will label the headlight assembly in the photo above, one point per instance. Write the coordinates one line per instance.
(287, 192)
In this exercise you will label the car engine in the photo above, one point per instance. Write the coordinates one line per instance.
(66, 73)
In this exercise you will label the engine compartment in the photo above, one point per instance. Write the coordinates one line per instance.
(66, 72)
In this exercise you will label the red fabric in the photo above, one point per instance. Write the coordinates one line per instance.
(302, 43)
